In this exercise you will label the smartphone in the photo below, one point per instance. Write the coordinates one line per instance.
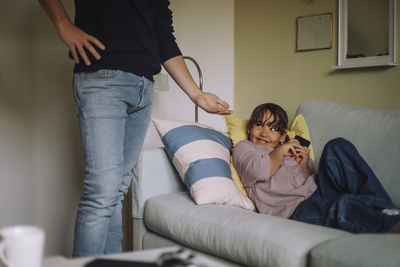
(303, 141)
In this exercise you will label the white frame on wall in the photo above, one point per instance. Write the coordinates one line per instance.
(314, 32)
(386, 60)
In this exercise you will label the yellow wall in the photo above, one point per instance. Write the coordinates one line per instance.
(267, 68)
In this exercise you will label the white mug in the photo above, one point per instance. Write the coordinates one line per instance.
(22, 246)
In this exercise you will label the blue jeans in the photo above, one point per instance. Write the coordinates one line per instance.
(349, 195)
(114, 111)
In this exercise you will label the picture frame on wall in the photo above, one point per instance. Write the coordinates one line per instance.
(314, 32)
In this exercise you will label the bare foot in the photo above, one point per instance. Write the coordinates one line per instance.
(396, 230)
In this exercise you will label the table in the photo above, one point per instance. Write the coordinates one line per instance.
(150, 255)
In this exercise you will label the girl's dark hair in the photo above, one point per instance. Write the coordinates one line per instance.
(280, 117)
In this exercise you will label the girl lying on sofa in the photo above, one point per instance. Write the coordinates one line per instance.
(342, 192)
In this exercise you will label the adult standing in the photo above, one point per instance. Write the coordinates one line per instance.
(117, 47)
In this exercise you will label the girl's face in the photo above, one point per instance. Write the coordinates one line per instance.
(266, 135)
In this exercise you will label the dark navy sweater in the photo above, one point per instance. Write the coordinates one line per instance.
(138, 34)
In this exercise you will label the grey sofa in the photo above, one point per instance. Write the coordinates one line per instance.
(165, 215)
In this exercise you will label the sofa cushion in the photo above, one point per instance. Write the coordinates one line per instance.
(201, 155)
(367, 250)
(240, 235)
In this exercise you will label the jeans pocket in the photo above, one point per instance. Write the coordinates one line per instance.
(98, 82)
(138, 99)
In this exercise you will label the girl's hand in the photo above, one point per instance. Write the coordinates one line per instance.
(292, 145)
(304, 154)
(276, 156)
(77, 40)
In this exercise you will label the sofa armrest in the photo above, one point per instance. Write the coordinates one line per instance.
(367, 250)
(153, 175)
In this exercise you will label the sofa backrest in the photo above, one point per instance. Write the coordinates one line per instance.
(374, 132)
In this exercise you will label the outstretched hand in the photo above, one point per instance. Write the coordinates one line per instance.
(77, 40)
(212, 104)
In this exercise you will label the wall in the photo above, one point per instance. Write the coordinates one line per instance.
(204, 31)
(267, 68)
(40, 150)
(40, 156)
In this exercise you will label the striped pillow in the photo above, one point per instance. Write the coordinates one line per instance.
(201, 156)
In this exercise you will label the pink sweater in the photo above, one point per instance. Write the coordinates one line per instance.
(279, 194)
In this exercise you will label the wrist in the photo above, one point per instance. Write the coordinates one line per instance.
(62, 24)
(194, 94)
(281, 151)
